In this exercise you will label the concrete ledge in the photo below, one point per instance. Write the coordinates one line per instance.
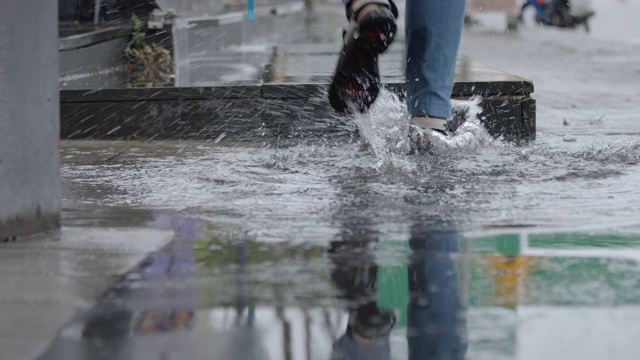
(276, 108)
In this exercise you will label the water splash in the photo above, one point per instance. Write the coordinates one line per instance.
(386, 129)
(469, 135)
(615, 152)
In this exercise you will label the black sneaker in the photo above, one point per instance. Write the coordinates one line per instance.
(369, 322)
(356, 81)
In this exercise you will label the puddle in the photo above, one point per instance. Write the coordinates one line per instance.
(219, 292)
(351, 248)
(296, 189)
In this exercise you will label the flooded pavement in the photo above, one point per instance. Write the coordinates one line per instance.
(302, 188)
(347, 248)
(434, 292)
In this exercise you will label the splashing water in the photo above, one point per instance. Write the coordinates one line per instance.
(280, 188)
(619, 152)
(386, 128)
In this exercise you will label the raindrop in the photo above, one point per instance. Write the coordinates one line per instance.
(220, 137)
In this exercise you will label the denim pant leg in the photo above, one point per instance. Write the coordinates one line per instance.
(433, 31)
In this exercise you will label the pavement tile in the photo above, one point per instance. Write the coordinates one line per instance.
(47, 280)
(53, 289)
(26, 327)
(21, 261)
(17, 348)
(33, 321)
(99, 239)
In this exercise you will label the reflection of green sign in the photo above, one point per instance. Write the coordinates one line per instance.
(556, 269)
(503, 244)
(569, 240)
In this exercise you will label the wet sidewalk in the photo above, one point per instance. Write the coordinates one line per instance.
(49, 280)
(224, 295)
(341, 247)
(283, 254)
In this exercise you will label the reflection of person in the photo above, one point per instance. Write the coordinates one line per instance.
(367, 335)
(435, 312)
(355, 277)
(433, 31)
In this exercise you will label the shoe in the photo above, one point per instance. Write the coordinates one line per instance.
(426, 132)
(356, 81)
(428, 122)
(368, 322)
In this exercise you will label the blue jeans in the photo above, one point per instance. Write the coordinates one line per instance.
(433, 31)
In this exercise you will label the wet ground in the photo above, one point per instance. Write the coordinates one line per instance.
(493, 250)
(350, 248)
(277, 250)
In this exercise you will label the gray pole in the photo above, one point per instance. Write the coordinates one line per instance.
(29, 118)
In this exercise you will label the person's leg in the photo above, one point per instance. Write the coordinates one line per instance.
(356, 80)
(433, 31)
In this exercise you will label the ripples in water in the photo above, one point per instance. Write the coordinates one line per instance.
(474, 180)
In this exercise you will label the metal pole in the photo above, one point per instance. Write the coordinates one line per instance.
(250, 9)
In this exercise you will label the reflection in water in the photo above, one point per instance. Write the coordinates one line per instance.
(510, 274)
(355, 276)
(436, 319)
(213, 296)
(217, 293)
